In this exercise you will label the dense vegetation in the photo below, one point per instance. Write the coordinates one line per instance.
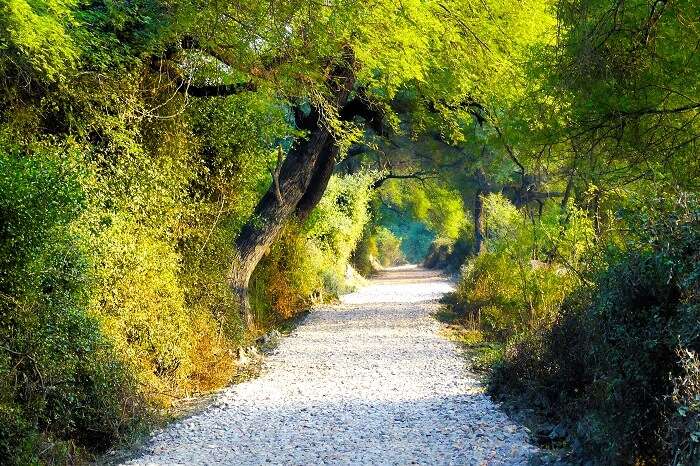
(176, 177)
(582, 292)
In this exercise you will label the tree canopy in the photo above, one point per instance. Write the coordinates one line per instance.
(177, 177)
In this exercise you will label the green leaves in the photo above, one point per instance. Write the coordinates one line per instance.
(37, 33)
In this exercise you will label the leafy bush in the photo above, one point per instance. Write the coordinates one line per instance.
(308, 262)
(683, 424)
(61, 383)
(379, 247)
(364, 257)
(619, 365)
(288, 279)
(388, 247)
(509, 298)
(439, 253)
(337, 223)
(508, 289)
(141, 305)
(448, 254)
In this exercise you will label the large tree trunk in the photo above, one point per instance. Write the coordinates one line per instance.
(323, 170)
(303, 175)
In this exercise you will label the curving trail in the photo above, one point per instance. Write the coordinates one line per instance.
(369, 381)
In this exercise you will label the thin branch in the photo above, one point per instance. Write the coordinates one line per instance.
(465, 26)
(509, 149)
(658, 111)
(420, 175)
(165, 66)
(217, 90)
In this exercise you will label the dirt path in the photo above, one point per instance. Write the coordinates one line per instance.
(369, 381)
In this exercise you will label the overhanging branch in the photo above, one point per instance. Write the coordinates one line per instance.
(216, 90)
(165, 66)
(658, 111)
(361, 107)
(420, 175)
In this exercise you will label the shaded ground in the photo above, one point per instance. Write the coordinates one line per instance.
(369, 381)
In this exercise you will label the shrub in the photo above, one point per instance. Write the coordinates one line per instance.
(288, 279)
(515, 286)
(338, 222)
(308, 262)
(682, 437)
(364, 257)
(448, 254)
(140, 304)
(61, 383)
(388, 247)
(439, 253)
(619, 365)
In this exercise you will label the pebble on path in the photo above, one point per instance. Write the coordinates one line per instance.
(366, 382)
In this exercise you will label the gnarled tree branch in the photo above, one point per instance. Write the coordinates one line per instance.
(419, 175)
(216, 90)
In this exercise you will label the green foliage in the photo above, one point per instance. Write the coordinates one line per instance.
(420, 213)
(121, 195)
(447, 254)
(515, 286)
(308, 263)
(610, 104)
(289, 278)
(337, 223)
(439, 208)
(141, 304)
(364, 257)
(379, 247)
(60, 379)
(487, 356)
(34, 37)
(611, 96)
(389, 251)
(619, 363)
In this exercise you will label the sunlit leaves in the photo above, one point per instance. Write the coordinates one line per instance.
(36, 33)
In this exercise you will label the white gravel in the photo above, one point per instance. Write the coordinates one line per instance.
(369, 381)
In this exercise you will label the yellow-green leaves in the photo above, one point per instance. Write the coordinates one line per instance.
(37, 32)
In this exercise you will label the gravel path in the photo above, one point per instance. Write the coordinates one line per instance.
(369, 381)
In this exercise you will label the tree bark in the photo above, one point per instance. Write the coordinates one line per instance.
(303, 176)
(323, 170)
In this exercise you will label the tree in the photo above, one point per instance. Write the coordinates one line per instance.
(297, 186)
(376, 54)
